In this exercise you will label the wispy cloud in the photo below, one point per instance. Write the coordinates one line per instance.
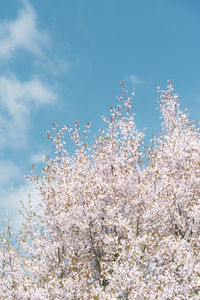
(135, 79)
(22, 33)
(9, 172)
(13, 190)
(37, 158)
(17, 100)
(11, 201)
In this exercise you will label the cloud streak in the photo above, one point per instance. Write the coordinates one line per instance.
(8, 173)
(22, 33)
(11, 201)
(17, 101)
(11, 194)
(37, 158)
(135, 79)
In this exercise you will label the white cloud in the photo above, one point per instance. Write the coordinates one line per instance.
(135, 79)
(9, 172)
(17, 101)
(22, 33)
(11, 201)
(37, 158)
(20, 194)
(56, 66)
(14, 188)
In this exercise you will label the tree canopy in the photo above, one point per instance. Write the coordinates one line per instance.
(117, 220)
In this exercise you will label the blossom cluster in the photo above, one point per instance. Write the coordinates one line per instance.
(117, 220)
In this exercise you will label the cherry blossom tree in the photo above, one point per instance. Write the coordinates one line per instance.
(116, 220)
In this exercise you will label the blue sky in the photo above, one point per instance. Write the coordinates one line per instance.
(63, 61)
